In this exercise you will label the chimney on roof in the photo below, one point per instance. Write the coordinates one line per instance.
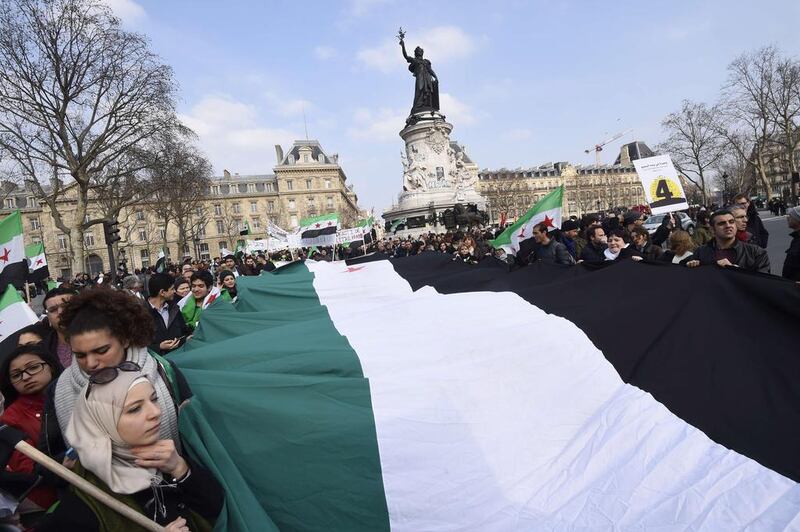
(226, 173)
(279, 153)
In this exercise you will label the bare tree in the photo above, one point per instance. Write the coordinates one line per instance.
(746, 106)
(76, 94)
(694, 142)
(180, 181)
(784, 97)
(506, 197)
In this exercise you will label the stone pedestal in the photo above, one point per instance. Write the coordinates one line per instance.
(437, 174)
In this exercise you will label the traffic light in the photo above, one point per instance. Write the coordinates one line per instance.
(111, 231)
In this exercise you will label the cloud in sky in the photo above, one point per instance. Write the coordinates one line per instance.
(361, 8)
(450, 42)
(232, 135)
(128, 10)
(324, 52)
(381, 125)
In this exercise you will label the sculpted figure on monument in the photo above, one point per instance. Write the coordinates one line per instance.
(413, 173)
(426, 90)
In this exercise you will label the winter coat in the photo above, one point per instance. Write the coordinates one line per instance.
(791, 266)
(748, 256)
(756, 227)
(592, 254)
(176, 327)
(553, 252)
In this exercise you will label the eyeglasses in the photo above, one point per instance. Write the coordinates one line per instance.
(106, 375)
(31, 370)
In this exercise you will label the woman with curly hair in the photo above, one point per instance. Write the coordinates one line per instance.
(105, 328)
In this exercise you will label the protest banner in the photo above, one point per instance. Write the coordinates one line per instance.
(662, 186)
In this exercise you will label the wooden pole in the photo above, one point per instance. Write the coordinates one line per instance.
(84, 485)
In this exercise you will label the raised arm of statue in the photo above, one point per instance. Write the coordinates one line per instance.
(403, 47)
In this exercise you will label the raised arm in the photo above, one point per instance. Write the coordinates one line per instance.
(403, 47)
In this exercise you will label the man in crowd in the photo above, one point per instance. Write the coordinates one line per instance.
(133, 285)
(229, 263)
(640, 242)
(740, 217)
(726, 250)
(754, 224)
(170, 328)
(632, 219)
(791, 266)
(595, 245)
(201, 284)
(547, 249)
(570, 238)
(702, 231)
(187, 270)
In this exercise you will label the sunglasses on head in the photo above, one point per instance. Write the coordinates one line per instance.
(106, 375)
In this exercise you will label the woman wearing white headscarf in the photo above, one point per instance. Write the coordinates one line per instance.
(104, 328)
(115, 430)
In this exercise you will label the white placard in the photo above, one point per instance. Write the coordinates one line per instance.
(349, 235)
(662, 186)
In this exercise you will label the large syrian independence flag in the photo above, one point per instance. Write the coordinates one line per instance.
(13, 265)
(421, 394)
(547, 210)
(319, 230)
(37, 263)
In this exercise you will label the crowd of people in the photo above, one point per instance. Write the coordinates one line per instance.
(92, 386)
(733, 236)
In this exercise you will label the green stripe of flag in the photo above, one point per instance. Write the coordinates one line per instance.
(310, 460)
(553, 200)
(321, 218)
(9, 297)
(35, 249)
(10, 227)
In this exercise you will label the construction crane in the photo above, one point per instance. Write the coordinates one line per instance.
(599, 147)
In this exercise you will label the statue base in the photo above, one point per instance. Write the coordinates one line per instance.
(437, 174)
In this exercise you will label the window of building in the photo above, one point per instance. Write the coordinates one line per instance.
(289, 185)
(292, 205)
(223, 245)
(186, 249)
(35, 225)
(36, 240)
(217, 209)
(270, 206)
(33, 202)
(163, 232)
(242, 188)
(237, 208)
(204, 254)
(251, 187)
(256, 224)
(86, 218)
(220, 227)
(293, 220)
(238, 225)
(253, 207)
(215, 190)
(270, 187)
(309, 184)
(88, 240)
(142, 235)
(201, 231)
(321, 158)
(305, 157)
(62, 242)
(198, 211)
(145, 256)
(139, 216)
(10, 203)
(328, 183)
(329, 202)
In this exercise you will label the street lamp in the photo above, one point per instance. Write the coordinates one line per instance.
(725, 188)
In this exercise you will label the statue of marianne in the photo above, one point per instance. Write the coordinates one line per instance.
(426, 91)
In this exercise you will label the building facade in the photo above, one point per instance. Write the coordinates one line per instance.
(305, 182)
(592, 188)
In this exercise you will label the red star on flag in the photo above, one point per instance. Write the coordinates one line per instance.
(522, 233)
(548, 221)
(316, 225)
(5, 256)
(351, 269)
(330, 223)
(40, 261)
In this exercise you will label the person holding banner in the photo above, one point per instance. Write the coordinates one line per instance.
(726, 251)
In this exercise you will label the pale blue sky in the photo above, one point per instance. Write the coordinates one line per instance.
(523, 82)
